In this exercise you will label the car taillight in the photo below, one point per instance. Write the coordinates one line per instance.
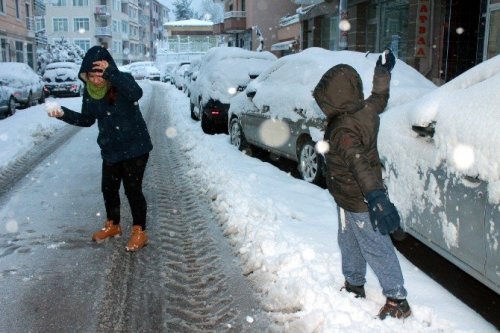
(214, 111)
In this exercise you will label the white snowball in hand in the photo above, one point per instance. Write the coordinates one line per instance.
(51, 106)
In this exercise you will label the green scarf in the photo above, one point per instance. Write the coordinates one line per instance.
(97, 92)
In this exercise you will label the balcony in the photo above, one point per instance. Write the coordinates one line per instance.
(102, 32)
(235, 22)
(102, 10)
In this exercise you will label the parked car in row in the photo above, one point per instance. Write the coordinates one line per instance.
(142, 70)
(224, 71)
(178, 74)
(25, 85)
(7, 100)
(441, 156)
(278, 113)
(61, 79)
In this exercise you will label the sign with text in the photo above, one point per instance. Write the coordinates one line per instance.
(422, 45)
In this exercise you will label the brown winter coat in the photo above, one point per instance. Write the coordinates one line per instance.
(353, 163)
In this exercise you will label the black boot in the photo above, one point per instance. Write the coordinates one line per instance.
(396, 308)
(358, 291)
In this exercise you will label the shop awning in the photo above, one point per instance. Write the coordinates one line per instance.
(283, 46)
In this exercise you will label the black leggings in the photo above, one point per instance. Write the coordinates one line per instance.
(131, 172)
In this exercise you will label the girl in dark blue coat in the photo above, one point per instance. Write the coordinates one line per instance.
(111, 97)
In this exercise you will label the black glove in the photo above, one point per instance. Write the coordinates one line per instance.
(389, 62)
(383, 213)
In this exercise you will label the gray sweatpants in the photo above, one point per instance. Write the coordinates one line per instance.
(360, 244)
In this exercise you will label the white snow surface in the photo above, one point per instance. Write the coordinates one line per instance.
(283, 229)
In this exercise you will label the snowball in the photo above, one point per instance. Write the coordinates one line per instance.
(52, 106)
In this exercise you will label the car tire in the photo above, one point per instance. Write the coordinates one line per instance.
(310, 163)
(12, 106)
(193, 115)
(29, 101)
(236, 136)
(206, 125)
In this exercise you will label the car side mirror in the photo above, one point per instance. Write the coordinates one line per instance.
(251, 94)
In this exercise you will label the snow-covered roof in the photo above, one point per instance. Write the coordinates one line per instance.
(190, 22)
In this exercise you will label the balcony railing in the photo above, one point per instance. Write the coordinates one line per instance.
(102, 31)
(102, 10)
(234, 14)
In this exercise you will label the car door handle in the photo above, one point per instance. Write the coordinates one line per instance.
(472, 179)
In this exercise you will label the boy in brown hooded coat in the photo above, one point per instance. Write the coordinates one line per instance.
(354, 178)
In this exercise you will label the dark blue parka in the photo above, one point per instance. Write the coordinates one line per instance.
(122, 130)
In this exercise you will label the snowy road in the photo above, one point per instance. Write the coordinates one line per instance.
(54, 279)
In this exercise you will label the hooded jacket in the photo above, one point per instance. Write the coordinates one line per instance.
(122, 130)
(353, 163)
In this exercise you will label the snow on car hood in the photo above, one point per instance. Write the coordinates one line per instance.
(223, 69)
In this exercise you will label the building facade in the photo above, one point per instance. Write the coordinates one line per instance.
(129, 29)
(17, 30)
(251, 24)
(439, 38)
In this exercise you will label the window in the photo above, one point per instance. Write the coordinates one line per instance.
(394, 27)
(29, 54)
(4, 49)
(117, 5)
(84, 44)
(117, 47)
(81, 23)
(2, 8)
(59, 24)
(39, 23)
(59, 3)
(80, 3)
(125, 27)
(18, 14)
(116, 26)
(19, 51)
(493, 33)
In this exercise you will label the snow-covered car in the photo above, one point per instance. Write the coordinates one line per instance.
(224, 72)
(441, 155)
(26, 84)
(142, 70)
(7, 100)
(178, 74)
(278, 113)
(61, 79)
(191, 75)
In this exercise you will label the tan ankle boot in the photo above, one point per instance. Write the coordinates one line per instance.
(109, 230)
(138, 239)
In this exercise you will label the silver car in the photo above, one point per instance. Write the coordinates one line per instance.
(278, 113)
(441, 157)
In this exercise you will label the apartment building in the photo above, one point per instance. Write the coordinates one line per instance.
(251, 24)
(127, 28)
(17, 30)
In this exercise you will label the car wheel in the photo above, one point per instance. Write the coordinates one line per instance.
(193, 115)
(206, 126)
(12, 106)
(236, 136)
(310, 163)
(29, 101)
